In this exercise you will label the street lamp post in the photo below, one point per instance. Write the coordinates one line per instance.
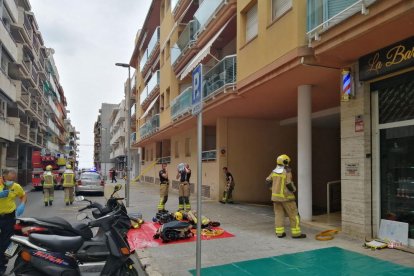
(128, 131)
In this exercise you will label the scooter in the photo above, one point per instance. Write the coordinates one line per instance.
(51, 254)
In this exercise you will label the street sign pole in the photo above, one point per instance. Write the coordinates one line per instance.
(197, 110)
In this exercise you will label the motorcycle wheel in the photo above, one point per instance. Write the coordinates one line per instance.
(25, 268)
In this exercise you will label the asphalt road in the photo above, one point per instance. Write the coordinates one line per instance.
(35, 208)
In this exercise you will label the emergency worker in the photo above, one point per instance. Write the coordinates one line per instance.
(9, 190)
(283, 198)
(184, 174)
(69, 184)
(164, 186)
(228, 192)
(48, 185)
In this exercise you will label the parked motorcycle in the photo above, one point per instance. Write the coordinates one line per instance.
(64, 247)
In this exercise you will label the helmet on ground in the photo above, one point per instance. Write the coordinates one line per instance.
(68, 166)
(178, 216)
(49, 167)
(283, 160)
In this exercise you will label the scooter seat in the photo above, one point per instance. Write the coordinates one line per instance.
(57, 243)
(84, 230)
(58, 221)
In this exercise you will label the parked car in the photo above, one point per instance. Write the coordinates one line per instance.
(90, 182)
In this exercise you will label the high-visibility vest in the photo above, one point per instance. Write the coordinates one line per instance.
(279, 190)
(48, 180)
(68, 180)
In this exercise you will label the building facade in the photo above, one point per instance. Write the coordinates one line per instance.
(118, 134)
(327, 82)
(33, 104)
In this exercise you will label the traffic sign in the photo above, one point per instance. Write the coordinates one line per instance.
(197, 95)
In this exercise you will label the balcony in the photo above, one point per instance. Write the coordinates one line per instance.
(181, 105)
(324, 14)
(8, 42)
(205, 13)
(23, 131)
(7, 129)
(185, 42)
(143, 62)
(23, 30)
(118, 151)
(152, 88)
(118, 135)
(133, 111)
(8, 86)
(222, 75)
(150, 127)
(210, 155)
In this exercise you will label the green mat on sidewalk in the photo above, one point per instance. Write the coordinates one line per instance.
(326, 261)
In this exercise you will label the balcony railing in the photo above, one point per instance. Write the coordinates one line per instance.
(154, 42)
(181, 104)
(324, 14)
(151, 87)
(185, 41)
(23, 130)
(28, 27)
(144, 60)
(222, 74)
(210, 155)
(164, 160)
(205, 13)
(150, 127)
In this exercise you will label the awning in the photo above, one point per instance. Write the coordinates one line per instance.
(149, 107)
(202, 54)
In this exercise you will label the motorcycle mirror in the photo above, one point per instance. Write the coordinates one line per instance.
(81, 216)
(79, 198)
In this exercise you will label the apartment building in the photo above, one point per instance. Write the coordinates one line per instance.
(102, 137)
(33, 104)
(328, 82)
(118, 134)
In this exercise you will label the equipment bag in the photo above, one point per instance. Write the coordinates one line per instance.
(174, 230)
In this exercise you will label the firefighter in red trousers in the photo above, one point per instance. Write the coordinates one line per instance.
(283, 198)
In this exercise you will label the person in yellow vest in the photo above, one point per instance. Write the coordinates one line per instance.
(49, 180)
(9, 190)
(283, 198)
(69, 184)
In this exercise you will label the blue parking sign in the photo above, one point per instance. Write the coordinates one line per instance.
(197, 89)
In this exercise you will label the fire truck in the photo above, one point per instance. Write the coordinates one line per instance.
(39, 163)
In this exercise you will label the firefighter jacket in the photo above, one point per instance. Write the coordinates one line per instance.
(281, 178)
(68, 179)
(48, 180)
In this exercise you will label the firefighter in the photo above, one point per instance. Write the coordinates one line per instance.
(184, 174)
(48, 179)
(228, 192)
(283, 198)
(164, 186)
(69, 184)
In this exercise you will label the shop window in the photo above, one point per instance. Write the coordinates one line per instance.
(280, 7)
(251, 23)
(187, 147)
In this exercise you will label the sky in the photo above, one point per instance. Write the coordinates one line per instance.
(89, 37)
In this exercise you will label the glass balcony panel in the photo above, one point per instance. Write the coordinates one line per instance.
(144, 59)
(153, 82)
(182, 103)
(174, 4)
(133, 109)
(186, 39)
(155, 39)
(175, 53)
(221, 74)
(150, 127)
(143, 96)
(205, 12)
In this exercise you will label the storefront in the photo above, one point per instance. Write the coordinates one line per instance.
(390, 74)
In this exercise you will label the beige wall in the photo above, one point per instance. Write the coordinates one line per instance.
(273, 39)
(253, 146)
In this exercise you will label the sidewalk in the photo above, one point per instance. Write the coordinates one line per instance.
(253, 227)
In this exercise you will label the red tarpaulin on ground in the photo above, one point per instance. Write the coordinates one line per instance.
(143, 237)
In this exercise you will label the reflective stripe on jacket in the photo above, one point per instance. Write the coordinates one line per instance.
(48, 180)
(68, 180)
(279, 190)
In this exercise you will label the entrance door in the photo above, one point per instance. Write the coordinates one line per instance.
(394, 136)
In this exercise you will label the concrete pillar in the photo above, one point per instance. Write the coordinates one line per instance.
(305, 151)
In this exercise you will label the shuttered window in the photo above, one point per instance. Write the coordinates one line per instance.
(251, 23)
(279, 7)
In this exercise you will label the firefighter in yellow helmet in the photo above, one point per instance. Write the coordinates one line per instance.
(69, 184)
(48, 180)
(283, 198)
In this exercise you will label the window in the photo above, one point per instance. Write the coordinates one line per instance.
(251, 23)
(5, 60)
(176, 150)
(280, 7)
(187, 147)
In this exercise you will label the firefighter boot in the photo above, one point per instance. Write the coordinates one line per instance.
(51, 202)
(46, 203)
(301, 236)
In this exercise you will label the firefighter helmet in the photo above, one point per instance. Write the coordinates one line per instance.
(283, 160)
(178, 216)
(49, 167)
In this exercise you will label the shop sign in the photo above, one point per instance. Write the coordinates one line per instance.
(352, 169)
(359, 123)
(387, 60)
